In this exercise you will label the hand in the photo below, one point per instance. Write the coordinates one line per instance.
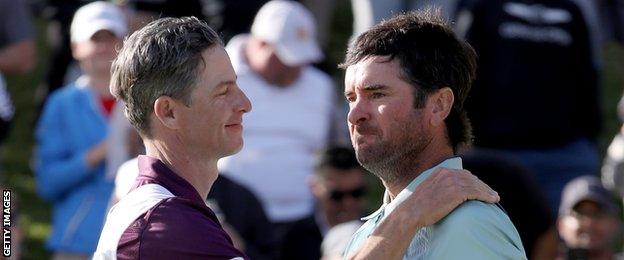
(432, 200)
(442, 192)
(97, 153)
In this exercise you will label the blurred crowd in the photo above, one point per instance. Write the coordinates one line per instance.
(296, 190)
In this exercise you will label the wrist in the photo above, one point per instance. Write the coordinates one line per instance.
(410, 217)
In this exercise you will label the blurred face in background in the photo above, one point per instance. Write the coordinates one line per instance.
(96, 55)
(340, 194)
(589, 227)
(263, 59)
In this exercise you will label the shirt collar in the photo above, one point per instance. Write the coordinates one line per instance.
(389, 206)
(153, 170)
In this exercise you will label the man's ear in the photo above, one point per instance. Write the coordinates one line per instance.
(165, 109)
(316, 186)
(441, 103)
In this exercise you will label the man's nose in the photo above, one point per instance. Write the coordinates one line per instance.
(358, 112)
(585, 222)
(245, 102)
(350, 201)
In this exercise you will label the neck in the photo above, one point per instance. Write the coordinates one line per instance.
(199, 171)
(409, 168)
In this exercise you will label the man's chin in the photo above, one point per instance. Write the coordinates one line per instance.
(366, 154)
(361, 158)
(234, 150)
(369, 162)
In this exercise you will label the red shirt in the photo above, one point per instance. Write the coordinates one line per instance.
(107, 104)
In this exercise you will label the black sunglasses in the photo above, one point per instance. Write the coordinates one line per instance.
(357, 193)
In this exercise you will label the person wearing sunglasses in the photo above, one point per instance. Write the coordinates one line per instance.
(339, 189)
(338, 186)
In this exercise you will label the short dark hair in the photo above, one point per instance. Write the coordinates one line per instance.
(431, 57)
(336, 157)
(161, 59)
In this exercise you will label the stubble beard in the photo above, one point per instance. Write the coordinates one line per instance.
(391, 160)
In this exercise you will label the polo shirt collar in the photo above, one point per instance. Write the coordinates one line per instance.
(153, 169)
(389, 205)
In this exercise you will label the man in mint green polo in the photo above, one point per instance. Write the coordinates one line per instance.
(406, 82)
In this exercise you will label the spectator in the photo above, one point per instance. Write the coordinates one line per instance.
(71, 136)
(17, 56)
(59, 70)
(292, 110)
(589, 220)
(613, 165)
(17, 52)
(339, 188)
(539, 103)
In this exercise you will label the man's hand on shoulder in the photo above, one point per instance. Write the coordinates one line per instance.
(442, 192)
(431, 201)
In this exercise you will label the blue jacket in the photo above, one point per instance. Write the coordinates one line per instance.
(71, 123)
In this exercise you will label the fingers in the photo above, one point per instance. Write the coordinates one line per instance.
(443, 191)
(466, 185)
(478, 190)
(485, 193)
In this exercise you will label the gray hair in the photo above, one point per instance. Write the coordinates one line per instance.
(161, 59)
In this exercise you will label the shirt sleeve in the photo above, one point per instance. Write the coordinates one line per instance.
(476, 230)
(58, 167)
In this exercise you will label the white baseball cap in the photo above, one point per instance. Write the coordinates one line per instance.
(97, 16)
(291, 29)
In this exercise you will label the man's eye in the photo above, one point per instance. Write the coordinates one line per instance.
(350, 99)
(377, 95)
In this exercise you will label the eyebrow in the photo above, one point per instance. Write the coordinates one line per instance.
(374, 87)
(227, 82)
(368, 88)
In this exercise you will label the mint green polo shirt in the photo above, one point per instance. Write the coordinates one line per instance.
(474, 230)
